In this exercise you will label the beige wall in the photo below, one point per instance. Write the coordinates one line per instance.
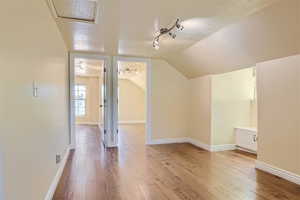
(200, 109)
(219, 103)
(170, 102)
(253, 114)
(92, 101)
(32, 130)
(131, 102)
(232, 95)
(278, 113)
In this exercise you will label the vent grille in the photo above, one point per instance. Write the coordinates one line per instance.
(78, 10)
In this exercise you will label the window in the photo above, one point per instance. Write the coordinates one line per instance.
(80, 100)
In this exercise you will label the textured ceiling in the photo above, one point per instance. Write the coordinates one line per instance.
(127, 27)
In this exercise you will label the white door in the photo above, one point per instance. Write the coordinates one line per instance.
(115, 105)
(107, 136)
(104, 107)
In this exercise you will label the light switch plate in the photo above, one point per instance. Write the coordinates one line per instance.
(35, 89)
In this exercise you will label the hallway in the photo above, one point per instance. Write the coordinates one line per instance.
(175, 172)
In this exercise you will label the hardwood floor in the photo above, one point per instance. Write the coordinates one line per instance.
(161, 172)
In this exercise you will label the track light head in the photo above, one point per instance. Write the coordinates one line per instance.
(179, 26)
(156, 43)
(173, 35)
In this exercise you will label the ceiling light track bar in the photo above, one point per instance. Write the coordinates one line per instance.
(163, 31)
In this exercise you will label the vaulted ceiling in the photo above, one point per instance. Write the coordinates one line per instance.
(219, 35)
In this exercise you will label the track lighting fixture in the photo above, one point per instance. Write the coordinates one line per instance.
(156, 43)
(170, 31)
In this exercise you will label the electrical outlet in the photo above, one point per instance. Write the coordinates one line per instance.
(58, 158)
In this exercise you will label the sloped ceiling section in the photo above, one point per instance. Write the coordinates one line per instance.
(269, 34)
(219, 35)
(127, 27)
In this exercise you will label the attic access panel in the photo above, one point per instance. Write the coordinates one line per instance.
(78, 10)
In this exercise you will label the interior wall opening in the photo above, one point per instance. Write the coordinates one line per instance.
(234, 110)
(87, 91)
(132, 103)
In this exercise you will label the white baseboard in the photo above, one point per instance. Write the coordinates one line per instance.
(168, 141)
(58, 175)
(222, 147)
(132, 122)
(199, 144)
(278, 172)
(87, 123)
(246, 150)
(211, 148)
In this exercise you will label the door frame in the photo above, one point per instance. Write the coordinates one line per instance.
(72, 118)
(147, 96)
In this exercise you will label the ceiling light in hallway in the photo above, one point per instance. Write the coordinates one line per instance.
(170, 31)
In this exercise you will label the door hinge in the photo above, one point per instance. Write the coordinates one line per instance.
(104, 69)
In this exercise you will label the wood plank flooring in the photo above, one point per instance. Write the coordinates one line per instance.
(163, 172)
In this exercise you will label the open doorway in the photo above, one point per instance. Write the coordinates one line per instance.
(89, 107)
(234, 111)
(132, 117)
(88, 91)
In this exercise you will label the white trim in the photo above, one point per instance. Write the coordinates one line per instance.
(147, 96)
(207, 147)
(72, 118)
(2, 181)
(149, 101)
(292, 177)
(212, 148)
(199, 144)
(115, 106)
(87, 123)
(132, 122)
(168, 141)
(88, 76)
(222, 147)
(55, 181)
(247, 128)
(107, 61)
(246, 150)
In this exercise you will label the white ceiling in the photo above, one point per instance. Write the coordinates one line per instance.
(127, 27)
